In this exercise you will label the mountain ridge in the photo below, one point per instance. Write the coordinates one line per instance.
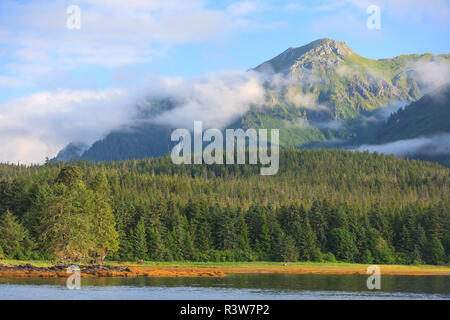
(323, 82)
(411, 122)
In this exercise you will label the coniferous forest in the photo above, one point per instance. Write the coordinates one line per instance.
(323, 205)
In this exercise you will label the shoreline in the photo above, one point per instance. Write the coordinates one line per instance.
(19, 269)
(97, 271)
(304, 270)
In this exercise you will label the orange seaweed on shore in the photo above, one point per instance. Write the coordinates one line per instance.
(28, 271)
(16, 272)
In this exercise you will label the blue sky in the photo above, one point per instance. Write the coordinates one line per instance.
(35, 51)
(121, 43)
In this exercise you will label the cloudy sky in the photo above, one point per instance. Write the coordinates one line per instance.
(59, 84)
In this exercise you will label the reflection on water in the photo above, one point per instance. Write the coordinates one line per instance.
(239, 286)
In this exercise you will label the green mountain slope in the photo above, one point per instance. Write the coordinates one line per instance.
(319, 93)
(429, 115)
(136, 143)
(325, 80)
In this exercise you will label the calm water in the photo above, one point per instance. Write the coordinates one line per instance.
(239, 286)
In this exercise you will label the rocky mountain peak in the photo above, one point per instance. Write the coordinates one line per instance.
(329, 46)
(325, 51)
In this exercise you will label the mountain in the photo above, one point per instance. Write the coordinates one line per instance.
(342, 80)
(427, 116)
(319, 94)
(73, 151)
(327, 84)
(423, 126)
(133, 143)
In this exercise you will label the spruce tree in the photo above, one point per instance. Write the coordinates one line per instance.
(435, 251)
(12, 235)
(156, 248)
(103, 224)
(286, 249)
(65, 216)
(342, 244)
(309, 250)
(140, 240)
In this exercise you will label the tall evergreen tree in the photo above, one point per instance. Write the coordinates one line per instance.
(435, 251)
(65, 218)
(309, 249)
(286, 249)
(13, 236)
(156, 248)
(140, 240)
(103, 224)
(342, 244)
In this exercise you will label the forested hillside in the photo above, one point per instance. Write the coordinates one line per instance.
(428, 115)
(322, 205)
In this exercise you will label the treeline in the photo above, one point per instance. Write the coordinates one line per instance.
(323, 205)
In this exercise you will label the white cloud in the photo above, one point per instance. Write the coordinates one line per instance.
(432, 74)
(331, 124)
(112, 33)
(437, 144)
(216, 99)
(41, 124)
(307, 101)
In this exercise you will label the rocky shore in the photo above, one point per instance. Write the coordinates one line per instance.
(60, 271)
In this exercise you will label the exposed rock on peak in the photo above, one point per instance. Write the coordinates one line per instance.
(326, 52)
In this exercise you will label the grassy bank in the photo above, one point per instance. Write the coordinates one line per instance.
(263, 267)
(296, 267)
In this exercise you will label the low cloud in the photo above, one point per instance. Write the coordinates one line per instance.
(432, 74)
(384, 112)
(291, 84)
(332, 124)
(306, 101)
(297, 123)
(434, 145)
(216, 99)
(40, 125)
